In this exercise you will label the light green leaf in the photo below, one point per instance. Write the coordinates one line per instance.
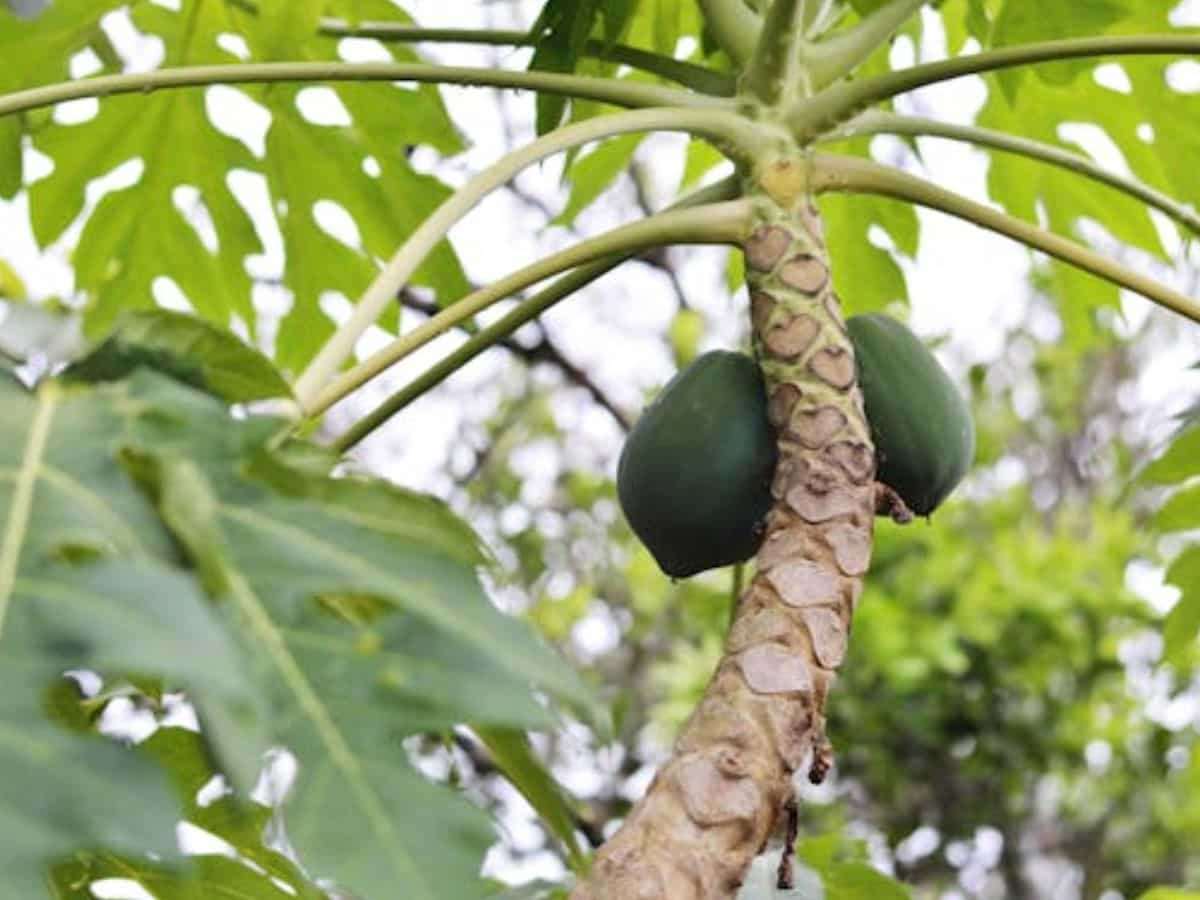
(1182, 511)
(1182, 627)
(866, 277)
(137, 235)
(11, 285)
(592, 174)
(308, 164)
(1178, 463)
(37, 51)
(1027, 21)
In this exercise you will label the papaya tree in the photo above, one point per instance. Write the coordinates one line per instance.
(186, 533)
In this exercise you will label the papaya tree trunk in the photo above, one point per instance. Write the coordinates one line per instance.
(712, 807)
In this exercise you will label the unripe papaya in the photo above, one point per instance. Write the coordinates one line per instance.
(694, 478)
(920, 424)
(695, 472)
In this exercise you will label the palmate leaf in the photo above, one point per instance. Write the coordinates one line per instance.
(366, 630)
(36, 52)
(1151, 125)
(139, 235)
(351, 616)
(85, 583)
(308, 163)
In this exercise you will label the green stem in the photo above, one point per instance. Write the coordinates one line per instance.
(526, 311)
(808, 119)
(860, 176)
(773, 68)
(698, 78)
(712, 224)
(606, 90)
(882, 122)
(484, 339)
(734, 27)
(842, 53)
(720, 126)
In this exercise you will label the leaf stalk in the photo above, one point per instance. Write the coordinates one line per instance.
(843, 174)
(605, 90)
(715, 223)
(725, 128)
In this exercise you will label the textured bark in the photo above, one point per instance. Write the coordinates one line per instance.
(712, 807)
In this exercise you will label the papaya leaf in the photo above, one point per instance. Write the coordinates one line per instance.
(243, 824)
(185, 347)
(62, 791)
(144, 237)
(11, 285)
(36, 50)
(592, 174)
(561, 30)
(514, 756)
(1181, 512)
(867, 277)
(178, 229)
(1178, 462)
(367, 630)
(87, 565)
(1026, 21)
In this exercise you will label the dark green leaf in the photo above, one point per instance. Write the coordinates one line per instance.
(561, 32)
(186, 348)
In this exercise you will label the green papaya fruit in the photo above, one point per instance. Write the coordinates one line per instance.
(694, 478)
(695, 472)
(920, 424)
